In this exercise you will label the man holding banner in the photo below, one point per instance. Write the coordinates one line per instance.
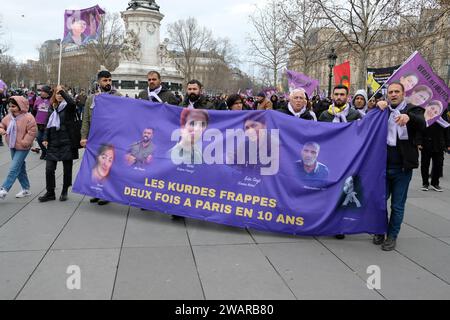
(405, 123)
(104, 81)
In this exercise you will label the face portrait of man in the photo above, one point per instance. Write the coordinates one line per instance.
(147, 136)
(396, 94)
(154, 81)
(193, 92)
(298, 100)
(310, 153)
(360, 102)
(340, 97)
(105, 84)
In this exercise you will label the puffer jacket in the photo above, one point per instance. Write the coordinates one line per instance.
(26, 125)
(61, 143)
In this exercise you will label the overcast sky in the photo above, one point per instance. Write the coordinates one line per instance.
(28, 23)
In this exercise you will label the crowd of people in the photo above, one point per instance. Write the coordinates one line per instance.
(60, 123)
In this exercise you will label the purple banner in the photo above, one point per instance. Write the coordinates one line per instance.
(82, 26)
(3, 85)
(298, 80)
(270, 92)
(251, 169)
(423, 88)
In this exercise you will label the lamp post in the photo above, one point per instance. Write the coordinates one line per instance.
(332, 57)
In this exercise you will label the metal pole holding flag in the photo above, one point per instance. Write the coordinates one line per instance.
(60, 60)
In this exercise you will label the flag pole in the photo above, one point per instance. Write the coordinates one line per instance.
(60, 60)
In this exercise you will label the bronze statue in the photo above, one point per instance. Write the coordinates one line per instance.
(145, 4)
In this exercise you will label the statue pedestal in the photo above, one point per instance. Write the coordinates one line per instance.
(143, 26)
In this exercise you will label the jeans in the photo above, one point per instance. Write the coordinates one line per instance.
(40, 139)
(17, 170)
(397, 185)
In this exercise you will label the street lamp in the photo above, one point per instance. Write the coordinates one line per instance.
(332, 57)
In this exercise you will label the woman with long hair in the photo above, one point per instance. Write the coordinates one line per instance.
(59, 139)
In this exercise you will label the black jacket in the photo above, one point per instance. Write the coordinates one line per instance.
(165, 95)
(408, 149)
(353, 115)
(305, 116)
(61, 143)
(435, 138)
(201, 103)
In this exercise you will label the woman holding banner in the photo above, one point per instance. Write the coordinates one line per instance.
(59, 139)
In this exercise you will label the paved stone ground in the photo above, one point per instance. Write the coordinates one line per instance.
(124, 253)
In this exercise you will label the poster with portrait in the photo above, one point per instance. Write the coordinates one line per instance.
(82, 26)
(251, 169)
(423, 88)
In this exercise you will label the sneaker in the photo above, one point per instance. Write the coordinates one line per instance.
(340, 236)
(425, 187)
(23, 194)
(378, 239)
(94, 200)
(3, 193)
(389, 244)
(437, 188)
(103, 202)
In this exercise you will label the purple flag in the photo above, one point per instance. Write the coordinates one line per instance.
(82, 26)
(298, 80)
(3, 85)
(270, 92)
(423, 88)
(252, 169)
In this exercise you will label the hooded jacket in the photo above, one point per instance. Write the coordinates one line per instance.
(362, 93)
(26, 125)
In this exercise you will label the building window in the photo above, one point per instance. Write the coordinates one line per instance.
(143, 85)
(130, 85)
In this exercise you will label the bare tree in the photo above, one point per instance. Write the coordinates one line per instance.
(189, 39)
(360, 24)
(8, 68)
(269, 46)
(309, 34)
(106, 51)
(3, 45)
(425, 23)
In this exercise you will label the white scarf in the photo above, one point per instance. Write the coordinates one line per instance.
(351, 198)
(54, 121)
(299, 114)
(394, 130)
(154, 94)
(191, 105)
(341, 116)
(362, 112)
(12, 131)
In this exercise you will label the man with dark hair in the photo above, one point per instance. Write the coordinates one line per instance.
(141, 152)
(340, 110)
(195, 98)
(156, 92)
(262, 103)
(406, 121)
(104, 80)
(312, 171)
